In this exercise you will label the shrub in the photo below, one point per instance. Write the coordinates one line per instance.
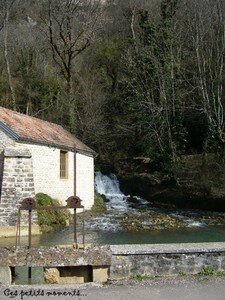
(207, 271)
(99, 204)
(140, 277)
(51, 218)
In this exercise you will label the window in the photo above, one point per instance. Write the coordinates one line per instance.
(63, 164)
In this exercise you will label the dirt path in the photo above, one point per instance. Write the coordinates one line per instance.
(156, 289)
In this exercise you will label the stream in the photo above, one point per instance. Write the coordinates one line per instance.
(133, 220)
(130, 220)
(174, 226)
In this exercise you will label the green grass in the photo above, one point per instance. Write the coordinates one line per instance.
(141, 277)
(220, 273)
(182, 274)
(207, 271)
(48, 219)
(99, 205)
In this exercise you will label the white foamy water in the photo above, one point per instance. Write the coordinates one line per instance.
(109, 186)
(195, 224)
(189, 222)
(118, 204)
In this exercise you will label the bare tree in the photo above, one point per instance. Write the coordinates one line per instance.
(71, 28)
(91, 101)
(206, 28)
(5, 12)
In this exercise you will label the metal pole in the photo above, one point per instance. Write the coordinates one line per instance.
(29, 246)
(75, 227)
(19, 227)
(83, 230)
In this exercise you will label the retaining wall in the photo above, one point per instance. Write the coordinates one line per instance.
(165, 259)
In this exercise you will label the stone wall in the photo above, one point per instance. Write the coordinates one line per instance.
(1, 170)
(58, 256)
(46, 168)
(5, 141)
(123, 261)
(165, 259)
(17, 184)
(85, 179)
(62, 264)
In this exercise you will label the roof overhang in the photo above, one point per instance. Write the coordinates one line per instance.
(9, 131)
(52, 145)
(16, 137)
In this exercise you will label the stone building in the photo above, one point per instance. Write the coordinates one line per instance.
(40, 157)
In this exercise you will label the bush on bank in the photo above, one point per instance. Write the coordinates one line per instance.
(48, 219)
(99, 204)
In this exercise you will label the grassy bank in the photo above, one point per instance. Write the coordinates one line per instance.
(99, 206)
(50, 219)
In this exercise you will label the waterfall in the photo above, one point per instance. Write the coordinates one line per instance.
(108, 185)
(118, 204)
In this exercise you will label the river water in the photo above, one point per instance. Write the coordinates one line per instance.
(197, 226)
(107, 229)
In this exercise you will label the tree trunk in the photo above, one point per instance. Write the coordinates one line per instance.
(7, 59)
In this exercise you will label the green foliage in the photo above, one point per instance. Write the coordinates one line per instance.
(221, 273)
(148, 33)
(51, 218)
(182, 274)
(36, 92)
(154, 111)
(99, 204)
(141, 277)
(207, 271)
(139, 81)
(215, 142)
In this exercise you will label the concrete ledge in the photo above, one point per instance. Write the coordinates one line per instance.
(5, 275)
(10, 231)
(17, 152)
(137, 249)
(55, 256)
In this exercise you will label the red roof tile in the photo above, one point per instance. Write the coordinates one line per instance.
(30, 129)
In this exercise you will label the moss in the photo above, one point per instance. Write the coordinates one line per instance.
(99, 204)
(48, 219)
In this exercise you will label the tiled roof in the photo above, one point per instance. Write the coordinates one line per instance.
(30, 129)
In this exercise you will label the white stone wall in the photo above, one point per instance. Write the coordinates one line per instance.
(46, 168)
(5, 140)
(85, 179)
